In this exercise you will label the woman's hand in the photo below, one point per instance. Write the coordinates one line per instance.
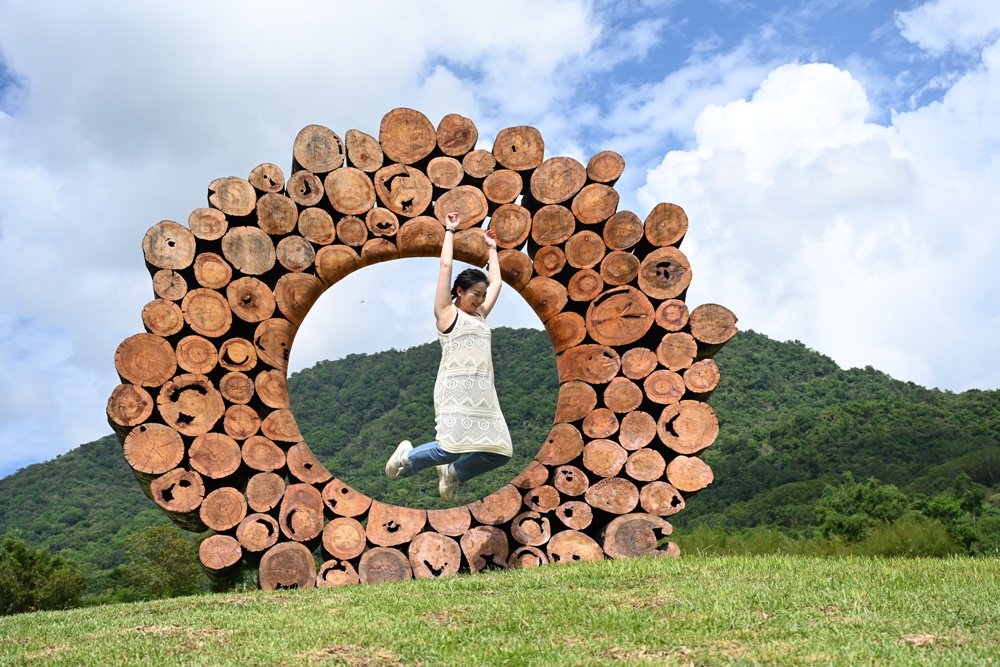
(491, 239)
(451, 220)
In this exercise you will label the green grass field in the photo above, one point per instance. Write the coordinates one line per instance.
(770, 610)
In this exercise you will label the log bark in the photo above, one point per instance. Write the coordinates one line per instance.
(637, 430)
(712, 326)
(666, 225)
(469, 202)
(552, 224)
(600, 423)
(153, 449)
(619, 268)
(273, 340)
(344, 538)
(249, 249)
(363, 151)
(316, 226)
(515, 268)
(406, 136)
(208, 224)
(168, 245)
(219, 555)
(305, 467)
(677, 351)
(456, 135)
(317, 149)
(531, 529)
(585, 285)
(287, 565)
(295, 253)
(512, 224)
(382, 222)
(689, 474)
(272, 388)
(557, 180)
(525, 558)
(223, 509)
(604, 458)
(169, 284)
(596, 364)
(645, 465)
(267, 177)
(295, 294)
(595, 203)
(215, 455)
(190, 404)
(575, 515)
(453, 521)
(519, 148)
(622, 395)
(499, 507)
(241, 422)
(503, 186)
(566, 330)
(196, 355)
(262, 454)
(179, 494)
(606, 167)
(389, 525)
(335, 573)
(207, 312)
(277, 214)
(563, 445)
(638, 362)
(576, 401)
(542, 499)
(661, 499)
(619, 316)
(664, 387)
(342, 500)
(162, 317)
(382, 565)
(352, 230)
(485, 548)
(211, 271)
(300, 514)
(534, 475)
(237, 354)
(546, 297)
(478, 164)
(570, 481)
(236, 387)
(549, 260)
(280, 425)
(337, 261)
(585, 249)
(128, 406)
(233, 196)
(572, 546)
(350, 191)
(614, 495)
(305, 188)
(404, 190)
(635, 535)
(664, 274)
(672, 314)
(622, 231)
(258, 532)
(702, 378)
(445, 173)
(688, 427)
(433, 555)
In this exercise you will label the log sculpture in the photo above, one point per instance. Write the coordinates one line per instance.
(203, 411)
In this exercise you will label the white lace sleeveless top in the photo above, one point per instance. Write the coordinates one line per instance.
(466, 409)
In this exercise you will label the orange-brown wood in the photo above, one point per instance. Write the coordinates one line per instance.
(300, 514)
(179, 494)
(219, 554)
(404, 190)
(570, 480)
(645, 465)
(552, 224)
(571, 546)
(280, 426)
(664, 387)
(470, 246)
(600, 423)
(305, 188)
(542, 499)
(563, 445)
(512, 224)
(661, 499)
(585, 249)
(215, 455)
(273, 340)
(363, 151)
(211, 271)
(545, 296)
(333, 262)
(223, 509)
(585, 285)
(534, 475)
(515, 268)
(549, 260)
(469, 202)
(295, 253)
(576, 401)
(383, 565)
(433, 555)
(316, 226)
(702, 378)
(635, 535)
(262, 454)
(128, 406)
(531, 529)
(478, 164)
(168, 245)
(619, 316)
(638, 362)
(453, 521)
(162, 317)
(350, 191)
(258, 532)
(595, 203)
(420, 237)
(237, 354)
(352, 230)
(276, 214)
(287, 565)
(379, 250)
(689, 474)
(688, 427)
(407, 136)
(677, 351)
(267, 177)
(382, 222)
(525, 558)
(666, 225)
(344, 538)
(619, 267)
(241, 422)
(389, 525)
(190, 404)
(236, 387)
(154, 449)
(207, 312)
(605, 167)
(672, 314)
(566, 330)
(445, 173)
(622, 395)
(342, 500)
(295, 294)
(557, 180)
(208, 224)
(637, 430)
(456, 135)
(595, 364)
(575, 514)
(503, 186)
(335, 573)
(249, 250)
(169, 284)
(604, 458)
(614, 495)
(712, 326)
(317, 149)
(485, 547)
(233, 196)
(196, 354)
(305, 467)
(519, 148)
(664, 273)
(272, 388)
(499, 507)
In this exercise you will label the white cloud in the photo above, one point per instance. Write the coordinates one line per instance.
(943, 25)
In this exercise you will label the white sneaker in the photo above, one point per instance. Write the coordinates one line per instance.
(395, 466)
(447, 483)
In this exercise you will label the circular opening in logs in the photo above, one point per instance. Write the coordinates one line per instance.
(362, 372)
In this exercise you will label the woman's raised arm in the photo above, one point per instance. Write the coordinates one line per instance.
(443, 305)
(496, 281)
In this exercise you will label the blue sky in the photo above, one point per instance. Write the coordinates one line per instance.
(838, 161)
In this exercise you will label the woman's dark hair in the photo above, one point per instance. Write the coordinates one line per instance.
(467, 279)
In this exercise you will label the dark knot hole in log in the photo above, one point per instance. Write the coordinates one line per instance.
(391, 526)
(568, 512)
(286, 587)
(171, 243)
(306, 188)
(168, 493)
(436, 571)
(183, 418)
(175, 395)
(668, 426)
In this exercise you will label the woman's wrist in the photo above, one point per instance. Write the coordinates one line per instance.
(449, 229)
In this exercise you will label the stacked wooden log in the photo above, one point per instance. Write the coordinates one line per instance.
(203, 411)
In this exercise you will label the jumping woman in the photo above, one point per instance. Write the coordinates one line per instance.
(472, 436)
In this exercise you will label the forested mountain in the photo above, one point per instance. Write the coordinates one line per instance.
(791, 423)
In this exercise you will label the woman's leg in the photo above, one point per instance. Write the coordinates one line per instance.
(429, 455)
(477, 463)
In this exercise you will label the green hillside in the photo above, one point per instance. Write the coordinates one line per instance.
(791, 423)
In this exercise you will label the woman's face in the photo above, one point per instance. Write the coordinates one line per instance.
(469, 300)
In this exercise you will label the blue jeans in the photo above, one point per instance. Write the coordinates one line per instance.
(467, 466)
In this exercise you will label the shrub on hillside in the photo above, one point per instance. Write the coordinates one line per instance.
(33, 580)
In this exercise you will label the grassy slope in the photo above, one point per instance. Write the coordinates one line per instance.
(692, 610)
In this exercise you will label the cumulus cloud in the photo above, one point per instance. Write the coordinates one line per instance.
(943, 25)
